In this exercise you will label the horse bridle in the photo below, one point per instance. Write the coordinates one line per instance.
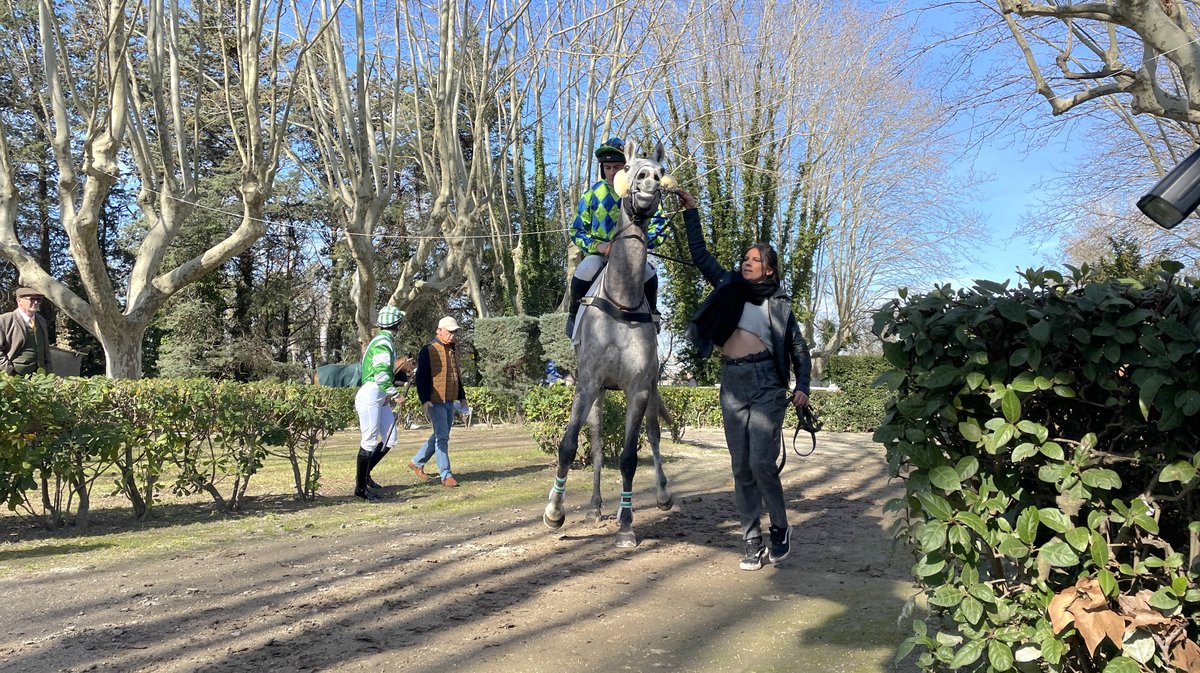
(639, 234)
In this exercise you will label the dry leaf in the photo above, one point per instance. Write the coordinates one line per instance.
(1059, 616)
(1186, 657)
(1132, 605)
(1091, 596)
(1094, 625)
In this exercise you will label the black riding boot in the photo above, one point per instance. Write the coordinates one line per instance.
(376, 456)
(578, 289)
(651, 289)
(360, 476)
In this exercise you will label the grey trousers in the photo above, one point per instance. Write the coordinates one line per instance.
(753, 404)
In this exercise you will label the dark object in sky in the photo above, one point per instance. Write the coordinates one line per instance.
(1176, 195)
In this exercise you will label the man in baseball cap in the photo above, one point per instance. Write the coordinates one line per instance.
(24, 335)
(439, 387)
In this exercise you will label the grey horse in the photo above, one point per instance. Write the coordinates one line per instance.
(618, 348)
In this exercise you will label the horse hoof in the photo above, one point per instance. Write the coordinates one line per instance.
(553, 524)
(667, 504)
(593, 516)
(626, 540)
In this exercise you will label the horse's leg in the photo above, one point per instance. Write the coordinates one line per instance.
(596, 427)
(634, 414)
(654, 434)
(567, 448)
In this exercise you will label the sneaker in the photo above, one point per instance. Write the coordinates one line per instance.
(755, 551)
(419, 471)
(366, 495)
(781, 543)
(450, 482)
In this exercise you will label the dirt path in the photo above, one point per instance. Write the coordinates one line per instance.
(417, 592)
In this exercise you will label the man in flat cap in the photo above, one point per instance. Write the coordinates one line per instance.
(24, 336)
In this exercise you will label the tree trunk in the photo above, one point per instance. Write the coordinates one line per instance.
(122, 345)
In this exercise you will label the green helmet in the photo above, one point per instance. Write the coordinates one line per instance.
(389, 316)
(611, 150)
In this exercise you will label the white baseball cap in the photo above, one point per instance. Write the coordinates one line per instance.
(449, 324)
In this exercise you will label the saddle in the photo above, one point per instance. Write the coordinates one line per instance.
(593, 299)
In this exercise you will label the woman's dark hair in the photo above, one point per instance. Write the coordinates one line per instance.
(769, 256)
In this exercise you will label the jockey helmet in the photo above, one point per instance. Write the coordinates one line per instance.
(389, 316)
(611, 151)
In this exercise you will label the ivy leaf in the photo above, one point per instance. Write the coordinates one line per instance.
(1054, 519)
(1122, 665)
(1188, 402)
(1146, 392)
(1012, 547)
(1099, 477)
(1099, 548)
(967, 654)
(1052, 450)
(970, 430)
(1011, 405)
(1146, 523)
(945, 478)
(1027, 524)
(1024, 451)
(1078, 538)
(1163, 599)
(1180, 470)
(973, 521)
(1134, 317)
(935, 505)
(972, 609)
(1058, 554)
(1000, 655)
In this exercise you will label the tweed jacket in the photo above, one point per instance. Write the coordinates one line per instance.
(12, 340)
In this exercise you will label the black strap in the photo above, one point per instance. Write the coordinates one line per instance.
(808, 421)
(616, 311)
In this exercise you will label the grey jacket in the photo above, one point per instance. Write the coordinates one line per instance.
(12, 340)
(788, 345)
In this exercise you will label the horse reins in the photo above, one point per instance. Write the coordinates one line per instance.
(808, 421)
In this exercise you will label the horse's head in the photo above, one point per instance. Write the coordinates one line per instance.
(640, 183)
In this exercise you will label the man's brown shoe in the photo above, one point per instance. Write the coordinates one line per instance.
(450, 482)
(420, 472)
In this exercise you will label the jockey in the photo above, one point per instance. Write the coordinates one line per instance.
(597, 216)
(376, 419)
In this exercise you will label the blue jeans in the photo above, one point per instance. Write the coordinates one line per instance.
(440, 415)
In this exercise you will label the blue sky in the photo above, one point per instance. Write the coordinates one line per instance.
(1015, 188)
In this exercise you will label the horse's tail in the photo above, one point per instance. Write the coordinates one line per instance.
(660, 411)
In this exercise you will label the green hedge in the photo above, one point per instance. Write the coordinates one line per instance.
(1049, 440)
(58, 437)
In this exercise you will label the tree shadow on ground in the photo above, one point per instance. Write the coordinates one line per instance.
(430, 593)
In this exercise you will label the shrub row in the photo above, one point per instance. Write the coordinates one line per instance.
(1049, 440)
(58, 437)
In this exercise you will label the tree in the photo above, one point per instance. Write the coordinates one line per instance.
(139, 99)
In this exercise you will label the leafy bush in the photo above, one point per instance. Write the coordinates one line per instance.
(509, 355)
(555, 344)
(1048, 440)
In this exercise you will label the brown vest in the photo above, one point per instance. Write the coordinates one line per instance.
(443, 372)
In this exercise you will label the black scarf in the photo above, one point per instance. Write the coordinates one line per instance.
(723, 311)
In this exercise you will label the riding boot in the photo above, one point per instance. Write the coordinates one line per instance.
(376, 456)
(360, 476)
(651, 289)
(578, 289)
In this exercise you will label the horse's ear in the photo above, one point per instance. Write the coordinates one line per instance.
(659, 153)
(630, 151)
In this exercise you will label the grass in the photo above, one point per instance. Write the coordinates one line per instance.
(499, 467)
